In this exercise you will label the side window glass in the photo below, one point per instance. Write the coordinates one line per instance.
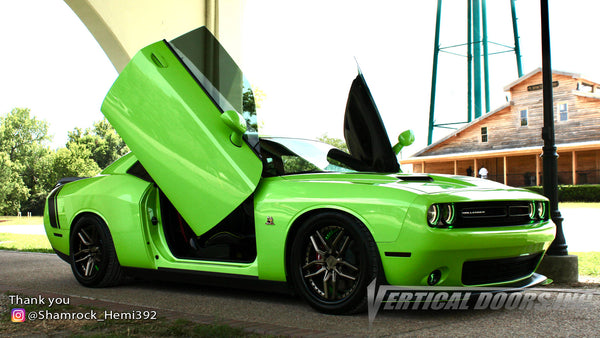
(249, 107)
(296, 164)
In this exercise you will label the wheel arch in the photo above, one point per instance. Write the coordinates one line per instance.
(302, 217)
(80, 215)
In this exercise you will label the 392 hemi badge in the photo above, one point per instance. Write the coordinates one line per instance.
(269, 221)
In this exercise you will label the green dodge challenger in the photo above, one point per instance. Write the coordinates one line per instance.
(202, 194)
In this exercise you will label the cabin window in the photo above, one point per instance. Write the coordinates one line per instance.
(563, 112)
(484, 134)
(585, 87)
(524, 121)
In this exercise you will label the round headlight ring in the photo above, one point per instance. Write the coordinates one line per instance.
(532, 210)
(448, 214)
(541, 210)
(433, 215)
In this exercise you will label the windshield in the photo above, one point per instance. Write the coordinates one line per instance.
(216, 72)
(285, 156)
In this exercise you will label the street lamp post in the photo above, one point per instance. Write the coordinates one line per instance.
(550, 156)
(557, 264)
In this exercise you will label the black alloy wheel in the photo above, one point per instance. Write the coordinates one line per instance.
(93, 258)
(333, 259)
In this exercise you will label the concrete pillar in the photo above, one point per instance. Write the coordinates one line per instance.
(123, 27)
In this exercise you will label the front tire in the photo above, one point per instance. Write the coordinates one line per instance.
(333, 259)
(93, 258)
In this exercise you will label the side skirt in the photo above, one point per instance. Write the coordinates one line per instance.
(210, 278)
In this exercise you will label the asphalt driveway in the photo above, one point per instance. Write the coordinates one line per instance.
(282, 314)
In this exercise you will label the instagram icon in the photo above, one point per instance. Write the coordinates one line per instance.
(17, 315)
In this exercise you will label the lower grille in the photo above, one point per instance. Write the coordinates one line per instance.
(499, 270)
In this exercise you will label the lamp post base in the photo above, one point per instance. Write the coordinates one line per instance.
(561, 269)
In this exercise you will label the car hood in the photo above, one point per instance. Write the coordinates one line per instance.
(365, 134)
(421, 184)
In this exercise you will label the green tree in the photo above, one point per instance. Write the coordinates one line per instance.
(23, 141)
(12, 188)
(44, 182)
(336, 142)
(75, 161)
(22, 137)
(103, 142)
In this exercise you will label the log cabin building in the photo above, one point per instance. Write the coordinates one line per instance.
(508, 142)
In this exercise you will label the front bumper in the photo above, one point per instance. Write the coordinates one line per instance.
(465, 257)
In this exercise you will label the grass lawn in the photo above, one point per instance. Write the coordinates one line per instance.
(589, 263)
(577, 205)
(15, 220)
(20, 242)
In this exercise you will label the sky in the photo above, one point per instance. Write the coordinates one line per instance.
(51, 64)
(303, 55)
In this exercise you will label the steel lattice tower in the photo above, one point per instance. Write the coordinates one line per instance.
(477, 48)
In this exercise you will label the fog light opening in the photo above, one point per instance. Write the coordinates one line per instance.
(434, 277)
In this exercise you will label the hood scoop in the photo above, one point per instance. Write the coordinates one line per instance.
(415, 178)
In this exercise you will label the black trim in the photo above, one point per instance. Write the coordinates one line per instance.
(398, 254)
(63, 256)
(52, 207)
(415, 178)
(66, 180)
(138, 170)
(493, 214)
(499, 270)
(57, 235)
(207, 274)
(210, 278)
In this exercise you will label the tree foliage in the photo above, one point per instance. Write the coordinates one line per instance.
(336, 142)
(29, 169)
(74, 161)
(12, 188)
(22, 136)
(102, 141)
(23, 141)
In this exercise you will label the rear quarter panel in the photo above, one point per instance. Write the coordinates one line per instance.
(117, 200)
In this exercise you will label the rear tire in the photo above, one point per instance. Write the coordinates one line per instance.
(332, 261)
(93, 258)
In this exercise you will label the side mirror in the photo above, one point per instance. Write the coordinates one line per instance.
(405, 139)
(237, 124)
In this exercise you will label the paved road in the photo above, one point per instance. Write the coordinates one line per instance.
(47, 273)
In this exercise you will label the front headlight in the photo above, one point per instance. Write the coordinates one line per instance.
(532, 210)
(440, 215)
(447, 214)
(433, 215)
(541, 210)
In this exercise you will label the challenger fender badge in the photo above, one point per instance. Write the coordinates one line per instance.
(269, 221)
